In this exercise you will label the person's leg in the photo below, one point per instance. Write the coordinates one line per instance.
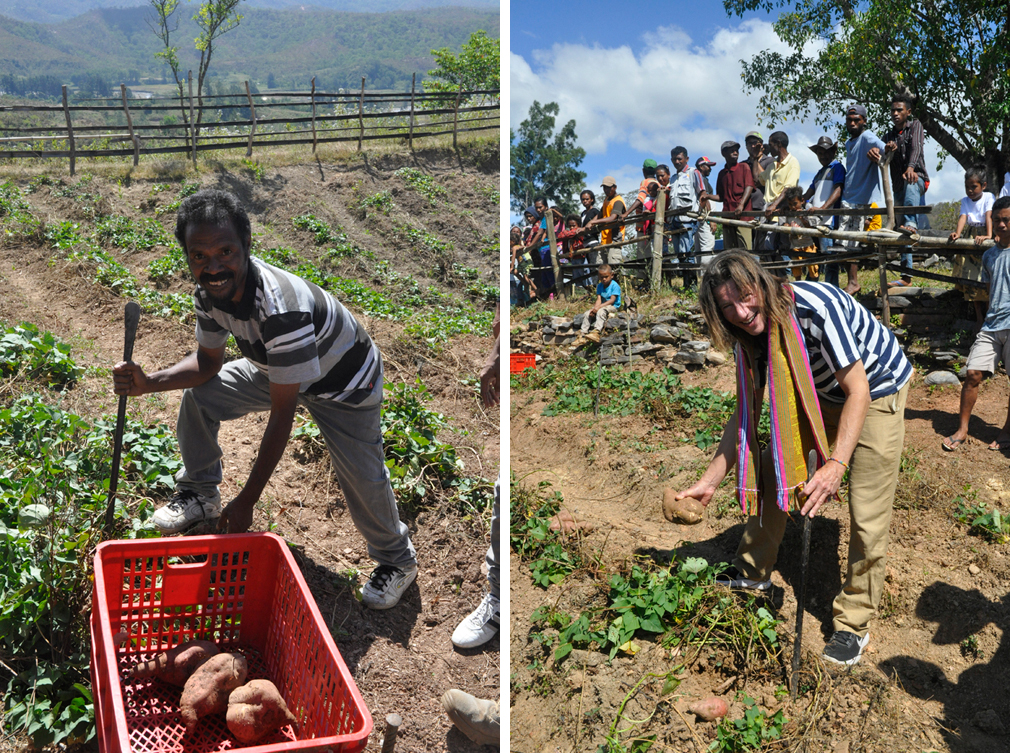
(685, 252)
(831, 270)
(354, 440)
(851, 223)
(493, 558)
(239, 388)
(759, 546)
(730, 237)
(602, 315)
(873, 476)
(982, 358)
(587, 322)
(483, 623)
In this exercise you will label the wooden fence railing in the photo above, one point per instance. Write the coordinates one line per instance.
(329, 117)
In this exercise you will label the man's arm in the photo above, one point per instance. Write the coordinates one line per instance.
(722, 463)
(192, 371)
(836, 194)
(237, 516)
(824, 484)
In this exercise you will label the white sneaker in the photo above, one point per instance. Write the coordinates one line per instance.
(480, 626)
(186, 509)
(474, 717)
(386, 585)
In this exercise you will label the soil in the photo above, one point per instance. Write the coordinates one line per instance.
(402, 659)
(921, 685)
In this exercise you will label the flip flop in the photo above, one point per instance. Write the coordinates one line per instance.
(950, 444)
(905, 230)
(897, 284)
(1000, 445)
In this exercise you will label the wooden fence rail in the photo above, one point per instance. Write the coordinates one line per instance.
(359, 116)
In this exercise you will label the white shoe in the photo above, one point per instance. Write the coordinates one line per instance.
(186, 509)
(480, 626)
(386, 585)
(474, 717)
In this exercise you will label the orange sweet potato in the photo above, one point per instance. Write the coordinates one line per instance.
(207, 690)
(176, 665)
(255, 710)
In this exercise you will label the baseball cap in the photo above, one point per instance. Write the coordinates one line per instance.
(824, 143)
(650, 163)
(755, 134)
(858, 109)
(703, 161)
(608, 181)
(728, 145)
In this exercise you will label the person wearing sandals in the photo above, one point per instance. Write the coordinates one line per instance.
(992, 344)
(837, 381)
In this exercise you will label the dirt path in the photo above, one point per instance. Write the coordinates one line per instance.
(933, 677)
(402, 660)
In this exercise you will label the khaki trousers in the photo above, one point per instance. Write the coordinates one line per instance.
(736, 237)
(873, 476)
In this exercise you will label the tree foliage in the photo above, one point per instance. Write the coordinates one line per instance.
(545, 163)
(951, 56)
(477, 67)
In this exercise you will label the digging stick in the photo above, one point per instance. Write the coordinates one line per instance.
(802, 589)
(132, 319)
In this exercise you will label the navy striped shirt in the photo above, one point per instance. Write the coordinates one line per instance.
(838, 331)
(293, 332)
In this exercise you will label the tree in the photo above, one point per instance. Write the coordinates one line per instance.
(542, 167)
(213, 18)
(476, 67)
(951, 56)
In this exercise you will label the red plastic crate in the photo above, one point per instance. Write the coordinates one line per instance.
(519, 362)
(244, 593)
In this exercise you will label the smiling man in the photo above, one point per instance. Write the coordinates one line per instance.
(301, 347)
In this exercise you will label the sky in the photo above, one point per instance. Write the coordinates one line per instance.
(640, 78)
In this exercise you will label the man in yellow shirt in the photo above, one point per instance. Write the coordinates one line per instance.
(783, 173)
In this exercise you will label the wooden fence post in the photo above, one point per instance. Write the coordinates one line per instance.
(361, 114)
(657, 242)
(885, 302)
(552, 251)
(455, 115)
(313, 95)
(410, 137)
(252, 115)
(192, 122)
(70, 132)
(129, 125)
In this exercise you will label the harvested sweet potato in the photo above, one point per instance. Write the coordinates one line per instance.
(206, 691)
(255, 710)
(176, 665)
(709, 709)
(688, 510)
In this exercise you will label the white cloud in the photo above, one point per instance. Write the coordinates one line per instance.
(671, 91)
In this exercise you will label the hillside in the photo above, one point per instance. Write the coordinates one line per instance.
(292, 45)
(54, 11)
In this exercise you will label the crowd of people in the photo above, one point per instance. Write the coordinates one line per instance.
(766, 181)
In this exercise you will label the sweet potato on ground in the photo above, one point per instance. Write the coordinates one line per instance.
(176, 665)
(255, 710)
(206, 691)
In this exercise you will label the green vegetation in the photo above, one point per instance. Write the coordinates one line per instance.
(36, 356)
(701, 410)
(52, 505)
(551, 558)
(991, 525)
(423, 183)
(751, 732)
(324, 235)
(475, 68)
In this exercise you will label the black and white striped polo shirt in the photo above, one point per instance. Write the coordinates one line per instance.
(838, 331)
(294, 332)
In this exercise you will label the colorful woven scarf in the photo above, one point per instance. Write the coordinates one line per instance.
(796, 424)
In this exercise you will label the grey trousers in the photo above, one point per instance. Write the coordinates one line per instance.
(351, 433)
(492, 558)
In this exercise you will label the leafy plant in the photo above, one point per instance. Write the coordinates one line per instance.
(748, 733)
(550, 556)
(991, 525)
(24, 351)
(382, 201)
(969, 647)
(423, 183)
(324, 235)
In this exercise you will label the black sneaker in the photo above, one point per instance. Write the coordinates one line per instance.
(845, 647)
(733, 578)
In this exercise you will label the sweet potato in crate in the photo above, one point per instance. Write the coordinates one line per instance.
(246, 594)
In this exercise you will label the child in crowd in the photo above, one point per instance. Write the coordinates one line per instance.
(608, 302)
(792, 199)
(521, 287)
(975, 222)
(992, 344)
(572, 239)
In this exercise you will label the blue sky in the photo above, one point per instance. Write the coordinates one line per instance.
(640, 78)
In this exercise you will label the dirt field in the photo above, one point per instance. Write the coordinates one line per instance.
(402, 659)
(933, 676)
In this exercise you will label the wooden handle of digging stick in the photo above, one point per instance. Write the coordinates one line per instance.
(132, 317)
(801, 591)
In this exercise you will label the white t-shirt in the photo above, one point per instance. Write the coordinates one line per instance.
(976, 209)
(1006, 186)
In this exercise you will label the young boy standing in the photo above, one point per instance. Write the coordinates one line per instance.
(608, 301)
(992, 344)
(734, 187)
